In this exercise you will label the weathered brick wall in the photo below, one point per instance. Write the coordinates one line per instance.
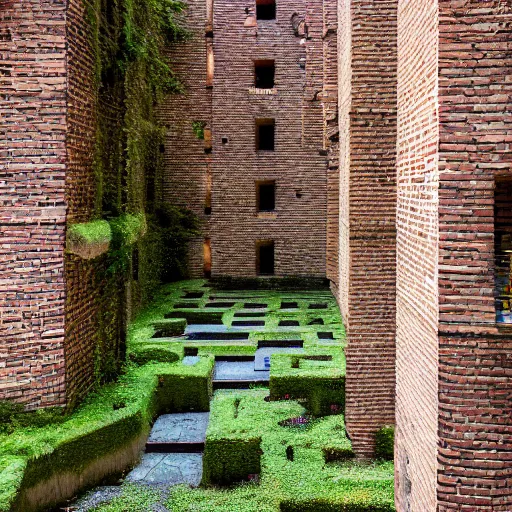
(368, 60)
(32, 200)
(82, 290)
(475, 364)
(300, 161)
(454, 367)
(417, 241)
(331, 136)
(186, 165)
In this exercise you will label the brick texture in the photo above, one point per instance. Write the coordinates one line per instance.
(417, 242)
(453, 361)
(367, 100)
(32, 200)
(475, 364)
(299, 105)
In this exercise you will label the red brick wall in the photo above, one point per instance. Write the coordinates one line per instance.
(82, 288)
(417, 252)
(453, 362)
(368, 63)
(475, 368)
(299, 164)
(185, 162)
(32, 200)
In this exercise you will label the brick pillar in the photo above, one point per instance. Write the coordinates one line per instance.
(454, 370)
(367, 98)
(32, 201)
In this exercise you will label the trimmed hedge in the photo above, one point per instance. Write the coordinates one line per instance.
(90, 239)
(385, 443)
(106, 422)
(233, 440)
(157, 352)
(170, 327)
(322, 505)
(321, 383)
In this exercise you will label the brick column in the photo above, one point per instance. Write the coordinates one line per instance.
(367, 71)
(32, 201)
(454, 371)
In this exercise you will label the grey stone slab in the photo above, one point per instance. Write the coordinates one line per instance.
(180, 428)
(190, 360)
(262, 356)
(97, 497)
(168, 469)
(238, 370)
(205, 328)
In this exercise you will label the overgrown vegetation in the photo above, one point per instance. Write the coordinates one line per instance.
(385, 443)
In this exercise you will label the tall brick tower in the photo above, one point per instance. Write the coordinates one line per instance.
(248, 146)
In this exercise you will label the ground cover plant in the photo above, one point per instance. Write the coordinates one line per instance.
(281, 448)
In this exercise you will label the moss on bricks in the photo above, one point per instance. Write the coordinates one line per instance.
(385, 443)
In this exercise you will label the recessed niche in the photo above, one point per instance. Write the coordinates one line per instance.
(248, 323)
(255, 305)
(289, 305)
(289, 323)
(318, 306)
(325, 336)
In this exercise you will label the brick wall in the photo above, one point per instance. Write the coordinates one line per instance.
(186, 165)
(475, 365)
(32, 200)
(299, 163)
(367, 86)
(82, 289)
(453, 361)
(417, 239)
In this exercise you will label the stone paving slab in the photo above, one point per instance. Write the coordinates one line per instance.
(262, 356)
(205, 328)
(168, 469)
(180, 428)
(238, 370)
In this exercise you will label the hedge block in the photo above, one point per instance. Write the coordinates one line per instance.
(319, 380)
(170, 327)
(385, 443)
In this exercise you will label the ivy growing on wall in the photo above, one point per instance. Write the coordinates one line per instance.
(132, 75)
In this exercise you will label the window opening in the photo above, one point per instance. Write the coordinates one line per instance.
(264, 74)
(265, 134)
(266, 196)
(265, 258)
(265, 9)
(503, 249)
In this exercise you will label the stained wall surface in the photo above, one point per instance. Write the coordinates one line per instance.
(367, 102)
(228, 170)
(32, 201)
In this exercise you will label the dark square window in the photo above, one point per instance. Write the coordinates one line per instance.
(265, 9)
(265, 258)
(264, 73)
(265, 134)
(266, 196)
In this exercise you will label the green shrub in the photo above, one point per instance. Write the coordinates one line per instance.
(233, 440)
(170, 326)
(322, 505)
(320, 383)
(157, 353)
(385, 443)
